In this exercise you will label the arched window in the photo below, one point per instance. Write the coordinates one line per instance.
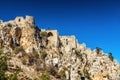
(19, 20)
(50, 34)
(66, 41)
(82, 78)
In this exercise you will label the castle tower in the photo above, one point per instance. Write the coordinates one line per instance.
(53, 38)
(30, 20)
(19, 20)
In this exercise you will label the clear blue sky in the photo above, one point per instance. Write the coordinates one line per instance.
(95, 22)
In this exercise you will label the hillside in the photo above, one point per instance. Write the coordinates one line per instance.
(30, 53)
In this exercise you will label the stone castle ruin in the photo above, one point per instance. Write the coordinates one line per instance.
(44, 51)
(69, 42)
(28, 20)
(53, 37)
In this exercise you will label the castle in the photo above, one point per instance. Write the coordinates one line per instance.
(26, 20)
(44, 51)
(21, 21)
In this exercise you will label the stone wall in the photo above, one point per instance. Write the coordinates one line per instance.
(28, 20)
(63, 53)
(53, 38)
(68, 42)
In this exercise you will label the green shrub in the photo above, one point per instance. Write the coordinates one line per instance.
(110, 56)
(43, 55)
(36, 55)
(51, 70)
(1, 51)
(9, 25)
(44, 33)
(98, 50)
(62, 74)
(13, 77)
(18, 49)
(78, 53)
(2, 75)
(3, 64)
(44, 77)
(24, 61)
(87, 75)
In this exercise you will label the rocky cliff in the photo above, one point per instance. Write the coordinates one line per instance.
(30, 53)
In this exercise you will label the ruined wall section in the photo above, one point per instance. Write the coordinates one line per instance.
(68, 42)
(22, 31)
(23, 22)
(53, 38)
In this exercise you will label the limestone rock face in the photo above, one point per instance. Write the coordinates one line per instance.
(20, 32)
(35, 52)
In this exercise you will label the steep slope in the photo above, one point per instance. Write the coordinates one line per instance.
(34, 54)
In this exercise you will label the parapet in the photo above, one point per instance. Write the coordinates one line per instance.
(22, 21)
(54, 38)
(30, 19)
(54, 32)
(19, 20)
(69, 41)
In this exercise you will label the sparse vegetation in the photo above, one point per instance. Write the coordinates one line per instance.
(36, 55)
(44, 33)
(18, 49)
(110, 56)
(1, 51)
(98, 50)
(43, 55)
(62, 74)
(9, 25)
(87, 75)
(45, 76)
(3, 64)
(13, 77)
(78, 53)
(52, 71)
(23, 61)
(33, 26)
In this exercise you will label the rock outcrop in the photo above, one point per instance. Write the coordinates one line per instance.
(36, 54)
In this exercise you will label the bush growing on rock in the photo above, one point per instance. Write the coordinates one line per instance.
(44, 33)
(62, 74)
(1, 51)
(98, 50)
(18, 49)
(110, 56)
(13, 77)
(44, 77)
(43, 55)
(3, 65)
(87, 75)
(36, 55)
(78, 53)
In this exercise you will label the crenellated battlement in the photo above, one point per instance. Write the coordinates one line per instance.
(22, 21)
